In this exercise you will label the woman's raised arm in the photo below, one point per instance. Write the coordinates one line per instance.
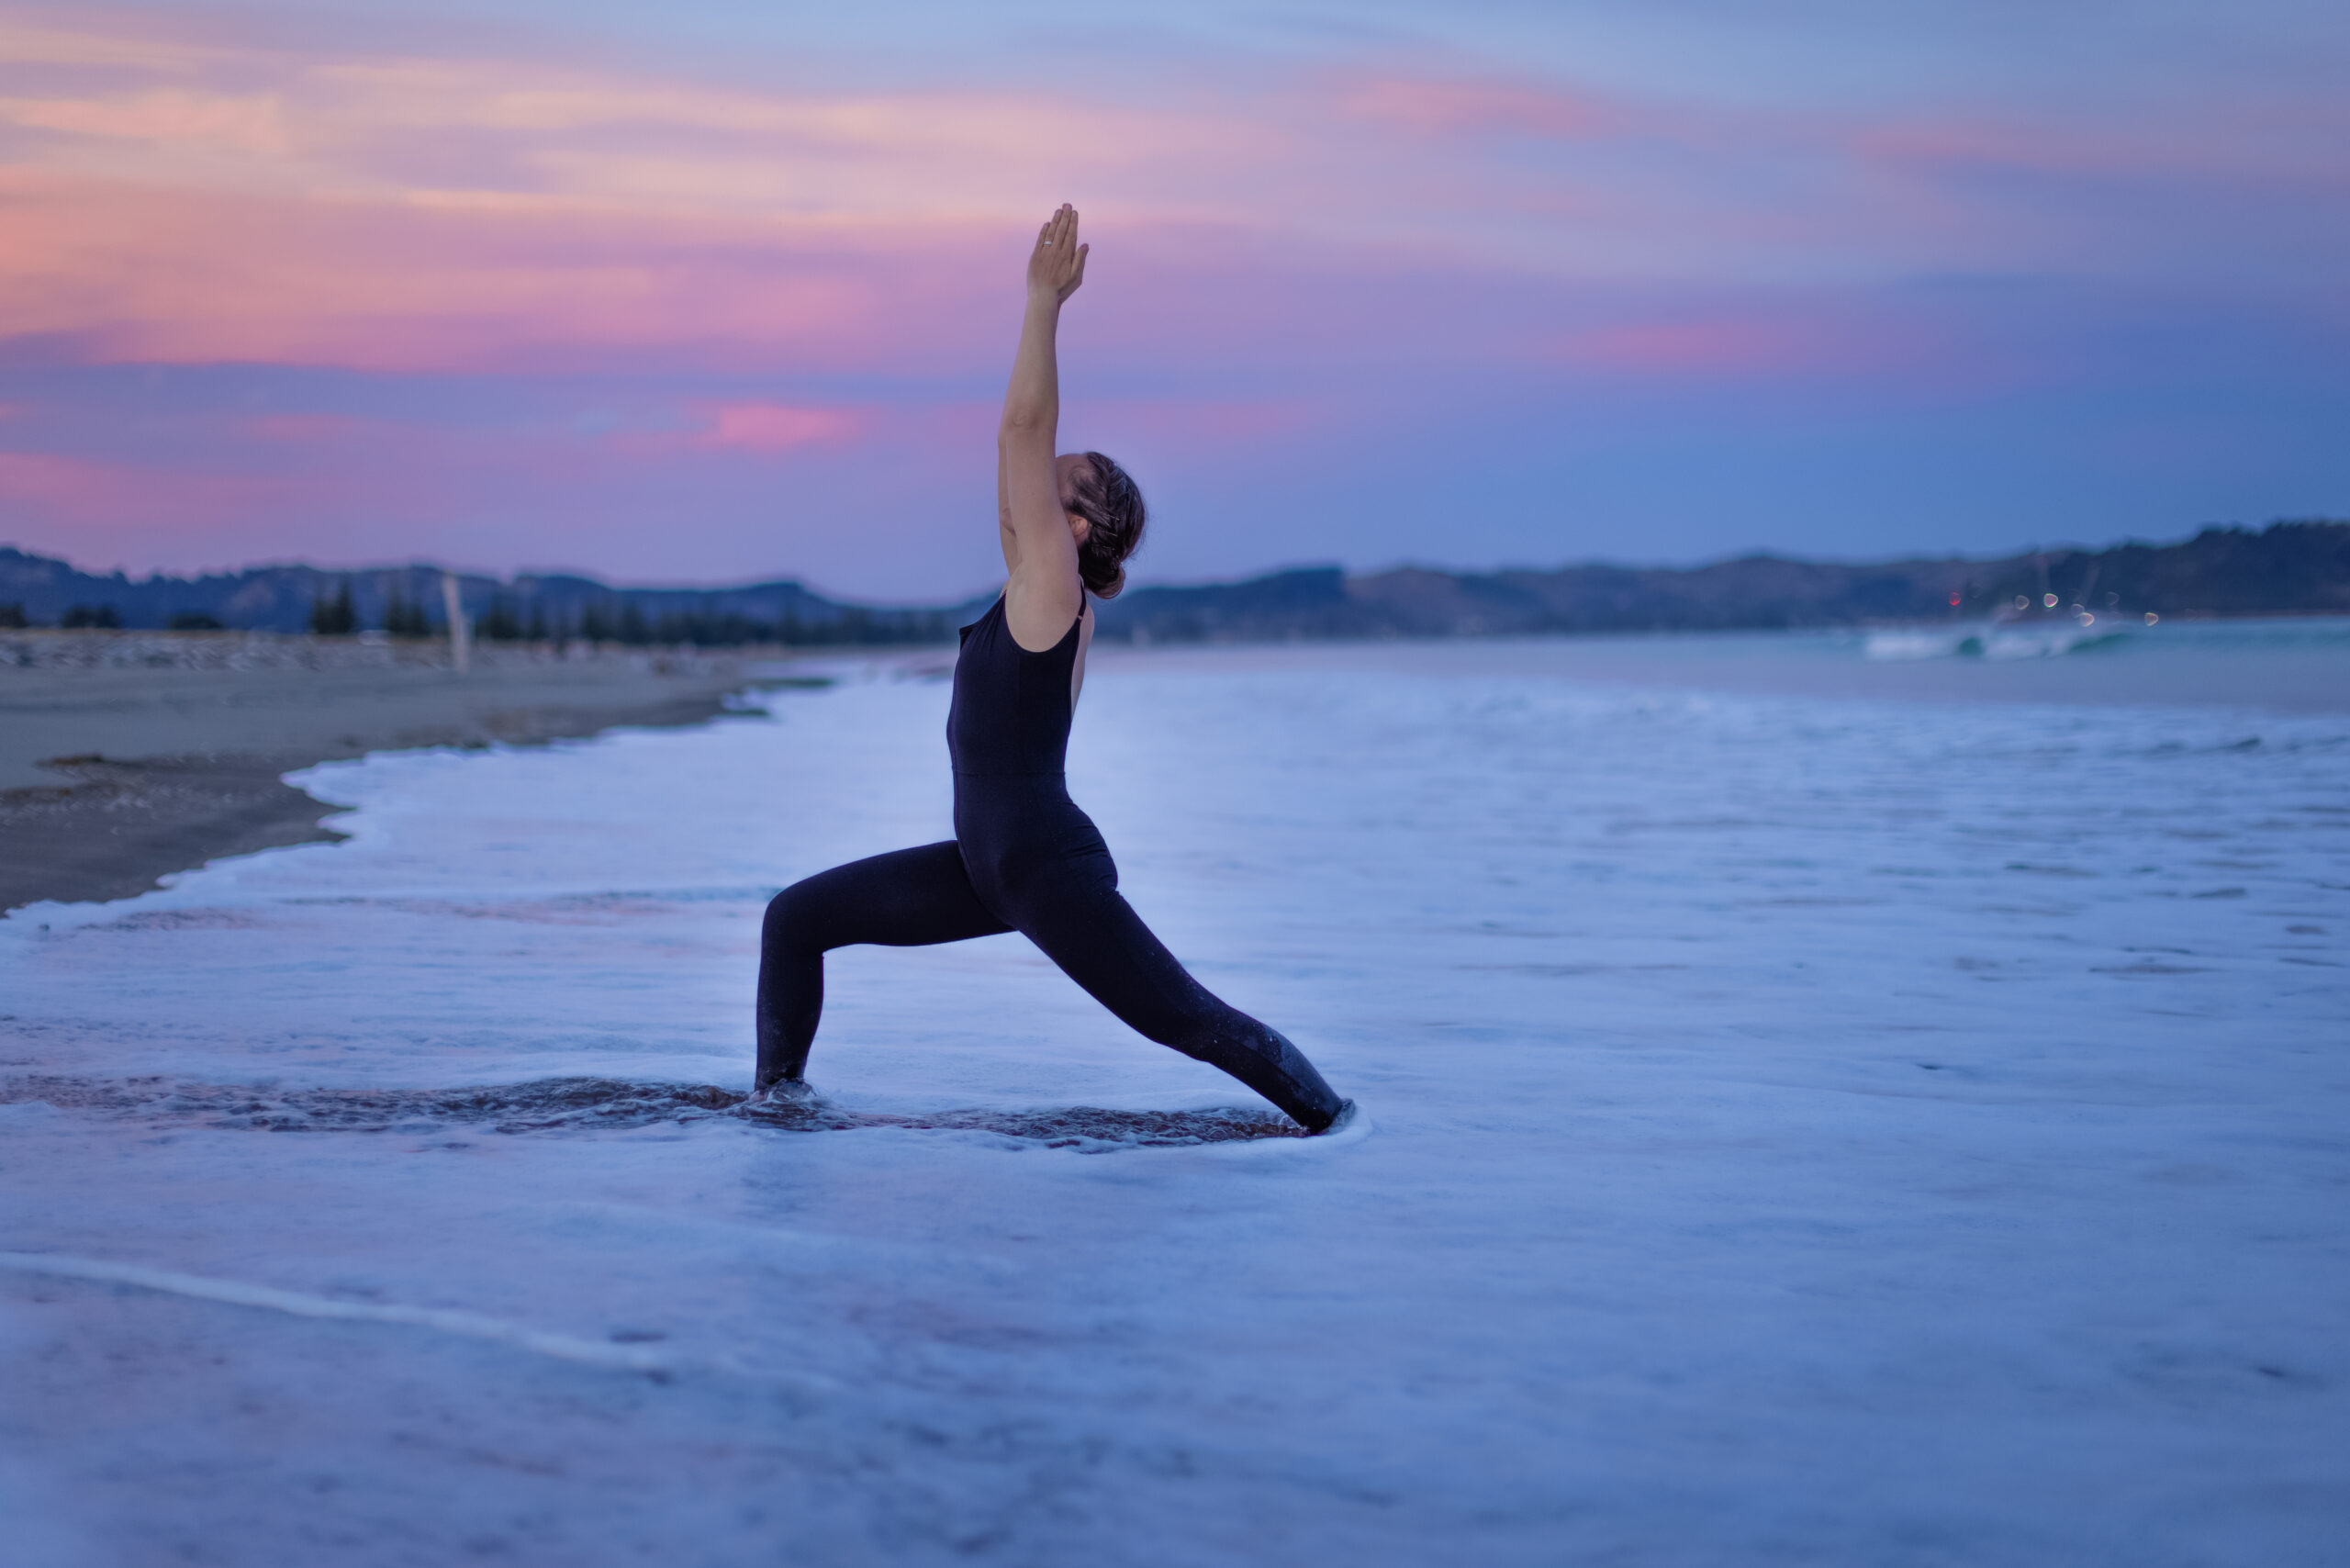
(1039, 541)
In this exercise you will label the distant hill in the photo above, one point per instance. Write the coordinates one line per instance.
(2287, 568)
(48, 592)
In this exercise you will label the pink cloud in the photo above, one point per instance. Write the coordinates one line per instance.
(2260, 142)
(1223, 424)
(230, 122)
(66, 490)
(774, 427)
(1745, 346)
(1700, 347)
(1475, 108)
(304, 427)
(402, 286)
(299, 204)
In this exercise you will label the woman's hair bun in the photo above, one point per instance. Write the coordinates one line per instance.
(1110, 501)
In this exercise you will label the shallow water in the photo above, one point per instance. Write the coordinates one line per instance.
(599, 1104)
(2290, 665)
(1800, 1123)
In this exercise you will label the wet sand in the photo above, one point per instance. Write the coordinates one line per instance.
(111, 777)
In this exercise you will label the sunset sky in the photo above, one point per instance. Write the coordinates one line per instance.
(714, 290)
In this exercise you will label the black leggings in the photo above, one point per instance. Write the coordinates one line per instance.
(1060, 892)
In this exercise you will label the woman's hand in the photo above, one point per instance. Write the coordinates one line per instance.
(1057, 266)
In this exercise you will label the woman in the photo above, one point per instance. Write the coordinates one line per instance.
(1023, 858)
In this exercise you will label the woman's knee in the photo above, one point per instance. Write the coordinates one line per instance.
(794, 917)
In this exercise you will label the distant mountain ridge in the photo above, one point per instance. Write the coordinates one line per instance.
(2301, 567)
(533, 605)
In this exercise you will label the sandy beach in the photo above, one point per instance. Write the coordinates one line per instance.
(127, 756)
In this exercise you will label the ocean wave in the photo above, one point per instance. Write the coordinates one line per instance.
(1988, 641)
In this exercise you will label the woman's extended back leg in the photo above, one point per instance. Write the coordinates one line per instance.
(909, 898)
(1087, 928)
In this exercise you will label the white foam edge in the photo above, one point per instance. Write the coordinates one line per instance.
(1353, 1126)
(302, 1304)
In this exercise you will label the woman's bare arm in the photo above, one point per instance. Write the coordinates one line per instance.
(1039, 550)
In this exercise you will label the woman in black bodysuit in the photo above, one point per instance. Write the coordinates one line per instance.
(1023, 858)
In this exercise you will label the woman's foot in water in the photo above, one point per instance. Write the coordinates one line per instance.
(784, 1096)
(1343, 1119)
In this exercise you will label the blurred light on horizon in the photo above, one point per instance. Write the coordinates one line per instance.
(720, 294)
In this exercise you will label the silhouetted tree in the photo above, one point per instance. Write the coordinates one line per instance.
(84, 617)
(404, 617)
(335, 618)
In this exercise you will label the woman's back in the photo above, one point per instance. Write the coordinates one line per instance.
(1011, 708)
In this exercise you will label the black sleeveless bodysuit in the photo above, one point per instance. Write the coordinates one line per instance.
(1024, 858)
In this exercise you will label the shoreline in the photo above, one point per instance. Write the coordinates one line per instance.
(114, 776)
(136, 755)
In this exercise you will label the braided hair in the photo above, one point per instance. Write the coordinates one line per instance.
(1110, 501)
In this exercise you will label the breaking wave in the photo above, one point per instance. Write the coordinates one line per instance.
(1979, 642)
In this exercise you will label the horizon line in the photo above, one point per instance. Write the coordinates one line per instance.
(1756, 553)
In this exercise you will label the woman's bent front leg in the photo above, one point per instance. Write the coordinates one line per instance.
(909, 898)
